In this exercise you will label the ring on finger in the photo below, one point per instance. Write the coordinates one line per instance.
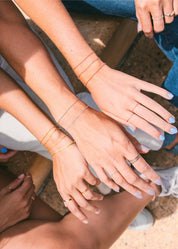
(158, 18)
(170, 14)
(135, 159)
(67, 201)
(83, 192)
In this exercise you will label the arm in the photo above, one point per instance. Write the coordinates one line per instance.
(103, 142)
(117, 94)
(70, 170)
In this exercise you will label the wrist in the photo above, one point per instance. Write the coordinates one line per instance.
(88, 67)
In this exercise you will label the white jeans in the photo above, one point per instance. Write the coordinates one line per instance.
(15, 136)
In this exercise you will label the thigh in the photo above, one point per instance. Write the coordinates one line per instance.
(122, 8)
(32, 234)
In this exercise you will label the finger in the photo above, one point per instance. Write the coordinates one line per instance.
(13, 185)
(122, 121)
(6, 156)
(88, 193)
(143, 167)
(132, 178)
(121, 181)
(146, 24)
(139, 147)
(168, 9)
(26, 185)
(90, 178)
(155, 107)
(148, 87)
(154, 119)
(30, 194)
(74, 209)
(147, 127)
(175, 7)
(83, 203)
(158, 17)
(105, 179)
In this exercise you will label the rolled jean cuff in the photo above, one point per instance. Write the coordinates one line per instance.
(168, 139)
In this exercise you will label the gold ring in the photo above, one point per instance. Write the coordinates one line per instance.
(170, 14)
(83, 192)
(135, 159)
(157, 18)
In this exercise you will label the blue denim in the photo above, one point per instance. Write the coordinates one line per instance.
(166, 40)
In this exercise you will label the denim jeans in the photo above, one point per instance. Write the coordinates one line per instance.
(166, 40)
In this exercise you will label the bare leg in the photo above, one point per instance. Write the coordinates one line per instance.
(117, 212)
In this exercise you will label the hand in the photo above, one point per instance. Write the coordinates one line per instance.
(119, 96)
(106, 148)
(4, 157)
(153, 14)
(16, 201)
(72, 176)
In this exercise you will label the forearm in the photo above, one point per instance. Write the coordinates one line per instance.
(15, 101)
(52, 17)
(30, 59)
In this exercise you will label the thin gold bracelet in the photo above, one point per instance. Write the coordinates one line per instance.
(57, 142)
(50, 136)
(63, 148)
(47, 133)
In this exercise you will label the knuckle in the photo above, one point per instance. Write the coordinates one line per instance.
(144, 168)
(93, 181)
(133, 179)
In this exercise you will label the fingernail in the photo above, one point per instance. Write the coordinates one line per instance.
(158, 182)
(85, 221)
(131, 129)
(4, 150)
(173, 130)
(170, 95)
(145, 148)
(117, 190)
(151, 192)
(21, 176)
(98, 212)
(172, 120)
(138, 195)
(161, 137)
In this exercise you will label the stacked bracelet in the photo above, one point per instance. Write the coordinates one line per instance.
(63, 148)
(46, 134)
(83, 60)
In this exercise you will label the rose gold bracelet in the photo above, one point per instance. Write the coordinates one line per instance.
(67, 110)
(77, 117)
(87, 67)
(83, 60)
(86, 83)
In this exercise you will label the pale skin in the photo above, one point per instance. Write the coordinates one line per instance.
(98, 137)
(152, 10)
(46, 229)
(121, 92)
(67, 163)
